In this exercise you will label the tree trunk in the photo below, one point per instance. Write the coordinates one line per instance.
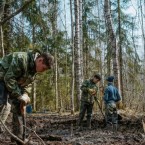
(54, 29)
(120, 52)
(34, 96)
(112, 41)
(34, 83)
(2, 5)
(56, 78)
(66, 57)
(73, 74)
(85, 45)
(7, 29)
(143, 36)
(101, 90)
(2, 42)
(78, 69)
(81, 35)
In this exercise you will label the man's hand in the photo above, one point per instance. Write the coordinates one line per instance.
(24, 98)
(92, 91)
(119, 105)
(24, 101)
(23, 108)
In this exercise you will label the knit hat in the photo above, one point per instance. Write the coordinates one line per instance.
(110, 78)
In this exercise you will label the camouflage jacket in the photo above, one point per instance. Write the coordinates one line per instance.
(111, 94)
(86, 96)
(17, 70)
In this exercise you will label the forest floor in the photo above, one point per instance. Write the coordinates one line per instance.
(57, 129)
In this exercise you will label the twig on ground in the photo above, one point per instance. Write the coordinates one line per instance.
(14, 136)
(143, 125)
(18, 139)
(36, 135)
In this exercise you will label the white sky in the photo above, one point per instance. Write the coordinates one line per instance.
(132, 10)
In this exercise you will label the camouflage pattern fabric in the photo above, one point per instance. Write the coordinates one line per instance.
(111, 113)
(4, 112)
(3, 93)
(17, 120)
(5, 107)
(85, 106)
(86, 96)
(17, 71)
(87, 101)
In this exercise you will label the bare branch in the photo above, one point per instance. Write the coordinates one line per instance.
(36, 135)
(15, 137)
(17, 12)
(18, 139)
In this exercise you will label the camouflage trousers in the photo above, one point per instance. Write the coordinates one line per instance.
(4, 112)
(18, 119)
(85, 107)
(111, 115)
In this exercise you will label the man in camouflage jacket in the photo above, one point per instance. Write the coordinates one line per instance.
(89, 94)
(17, 72)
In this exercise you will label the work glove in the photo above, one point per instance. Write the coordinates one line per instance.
(24, 98)
(24, 101)
(92, 91)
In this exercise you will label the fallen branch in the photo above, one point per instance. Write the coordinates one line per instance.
(17, 12)
(14, 136)
(143, 123)
(36, 135)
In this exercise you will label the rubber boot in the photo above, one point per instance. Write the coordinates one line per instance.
(115, 127)
(89, 123)
(80, 126)
(115, 120)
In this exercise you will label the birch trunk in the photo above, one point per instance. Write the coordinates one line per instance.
(143, 37)
(2, 42)
(81, 36)
(54, 29)
(77, 51)
(2, 5)
(7, 29)
(73, 74)
(112, 41)
(34, 83)
(120, 53)
(85, 45)
(34, 96)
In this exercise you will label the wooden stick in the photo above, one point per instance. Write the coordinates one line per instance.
(143, 125)
(14, 136)
(36, 135)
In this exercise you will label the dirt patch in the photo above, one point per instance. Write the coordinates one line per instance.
(63, 130)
